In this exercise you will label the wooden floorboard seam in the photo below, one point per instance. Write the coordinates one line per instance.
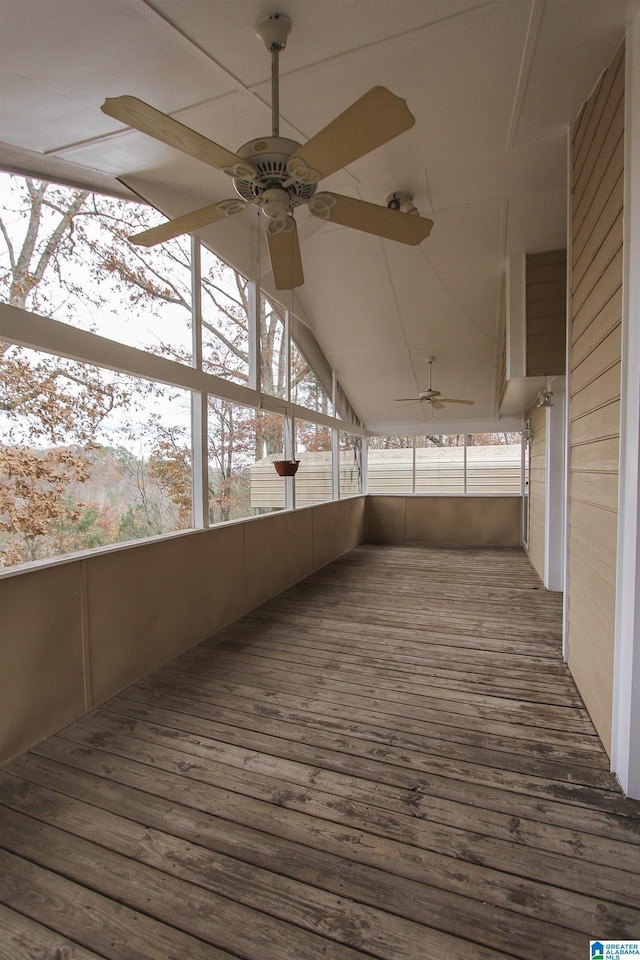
(390, 760)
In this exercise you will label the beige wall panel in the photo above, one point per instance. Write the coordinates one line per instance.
(601, 293)
(542, 317)
(597, 488)
(545, 290)
(600, 392)
(582, 128)
(386, 518)
(358, 520)
(597, 425)
(546, 311)
(548, 266)
(609, 318)
(279, 552)
(595, 700)
(598, 104)
(608, 185)
(600, 455)
(606, 210)
(596, 308)
(473, 521)
(595, 681)
(591, 622)
(591, 560)
(606, 111)
(605, 253)
(149, 603)
(596, 582)
(607, 247)
(591, 240)
(41, 655)
(331, 531)
(603, 151)
(598, 522)
(594, 364)
(597, 269)
(77, 632)
(544, 361)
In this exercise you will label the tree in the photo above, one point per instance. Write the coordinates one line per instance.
(50, 408)
(55, 239)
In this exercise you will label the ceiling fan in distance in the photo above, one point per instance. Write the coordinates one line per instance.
(432, 397)
(278, 174)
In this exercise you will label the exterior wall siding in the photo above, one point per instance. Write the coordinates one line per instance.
(597, 169)
(546, 293)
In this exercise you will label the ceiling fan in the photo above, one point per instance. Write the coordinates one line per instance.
(432, 397)
(278, 174)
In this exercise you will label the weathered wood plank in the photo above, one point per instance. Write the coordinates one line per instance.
(388, 760)
(22, 939)
(349, 800)
(360, 737)
(94, 921)
(366, 884)
(309, 906)
(408, 840)
(217, 920)
(396, 768)
(419, 679)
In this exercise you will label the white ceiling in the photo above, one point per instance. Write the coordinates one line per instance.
(492, 85)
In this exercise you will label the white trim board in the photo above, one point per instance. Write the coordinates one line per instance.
(625, 752)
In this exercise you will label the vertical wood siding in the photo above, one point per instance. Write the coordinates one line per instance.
(546, 313)
(596, 316)
(537, 488)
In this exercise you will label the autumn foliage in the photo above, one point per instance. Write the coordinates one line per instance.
(85, 457)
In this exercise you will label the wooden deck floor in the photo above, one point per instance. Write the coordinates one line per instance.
(390, 760)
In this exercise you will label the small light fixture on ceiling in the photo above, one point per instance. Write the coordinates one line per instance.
(545, 397)
(402, 200)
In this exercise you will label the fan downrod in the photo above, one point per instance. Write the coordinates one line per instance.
(273, 31)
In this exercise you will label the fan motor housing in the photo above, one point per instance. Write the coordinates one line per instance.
(268, 156)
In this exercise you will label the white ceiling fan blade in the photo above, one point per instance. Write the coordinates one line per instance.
(140, 115)
(375, 118)
(450, 400)
(188, 223)
(437, 405)
(284, 251)
(370, 217)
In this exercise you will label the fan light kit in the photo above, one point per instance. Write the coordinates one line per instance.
(433, 397)
(402, 200)
(278, 174)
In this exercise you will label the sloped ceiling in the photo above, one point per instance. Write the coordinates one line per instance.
(493, 87)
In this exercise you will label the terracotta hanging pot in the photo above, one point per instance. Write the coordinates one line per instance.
(286, 468)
